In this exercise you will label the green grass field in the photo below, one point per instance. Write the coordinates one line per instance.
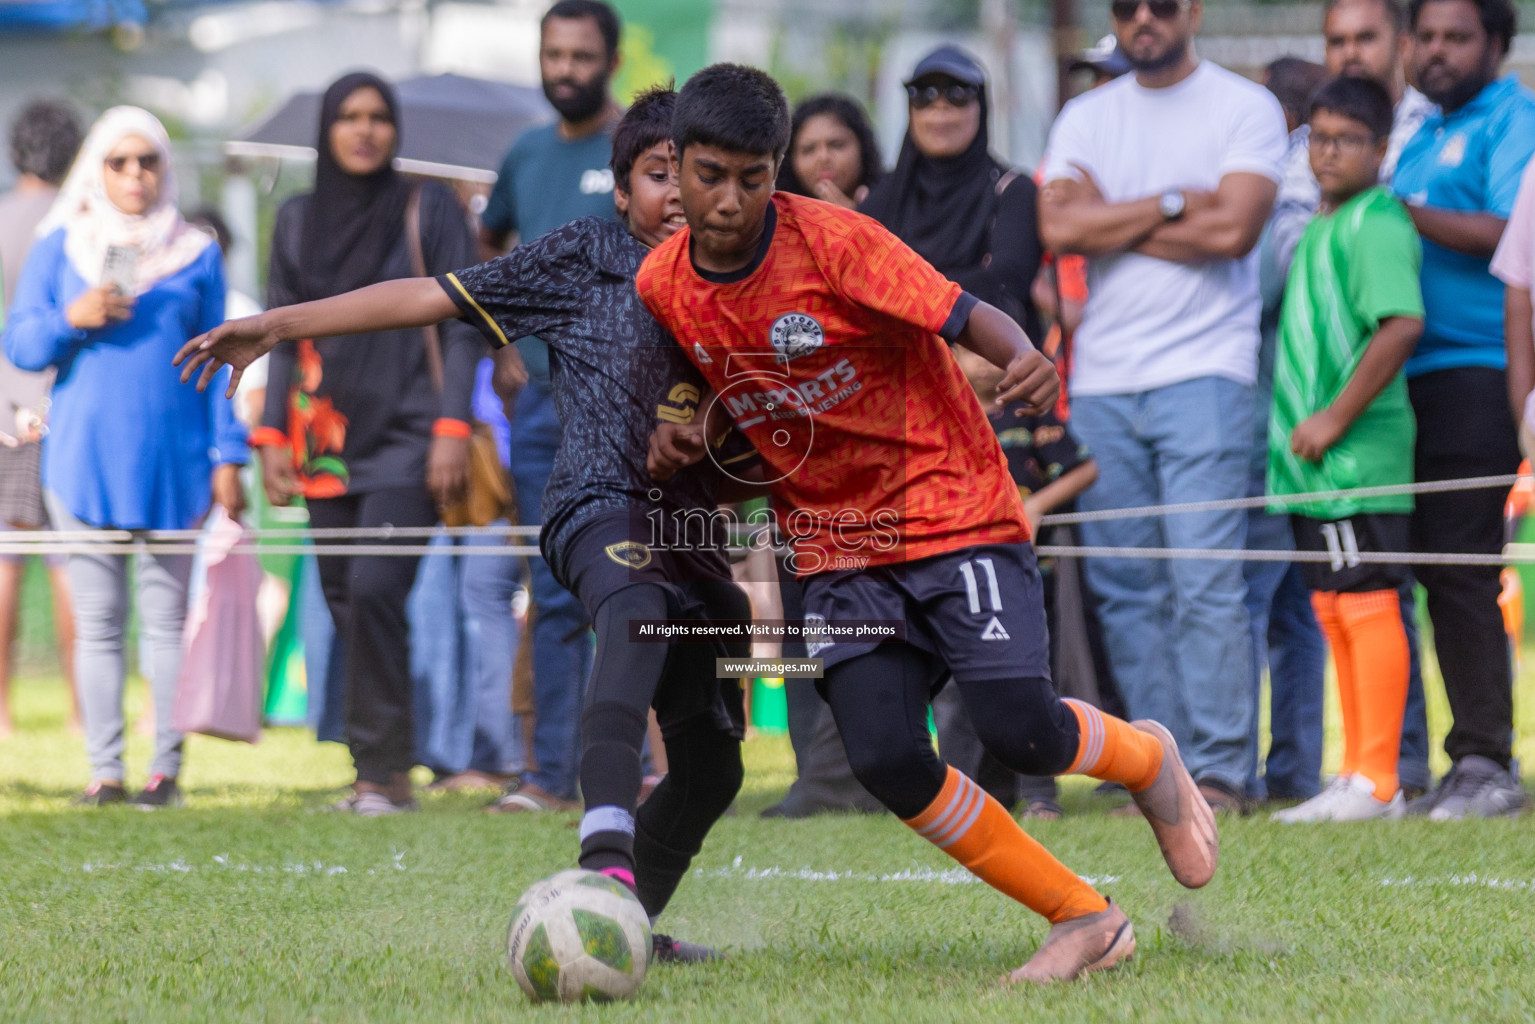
(244, 906)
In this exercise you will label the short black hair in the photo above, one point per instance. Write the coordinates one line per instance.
(1396, 14)
(647, 122)
(1499, 19)
(1362, 99)
(604, 15)
(846, 110)
(1293, 81)
(734, 107)
(45, 139)
(209, 218)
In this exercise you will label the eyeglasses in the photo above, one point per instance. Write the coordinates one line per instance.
(1344, 144)
(956, 95)
(149, 163)
(1162, 10)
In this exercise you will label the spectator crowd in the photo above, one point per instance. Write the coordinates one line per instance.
(1312, 293)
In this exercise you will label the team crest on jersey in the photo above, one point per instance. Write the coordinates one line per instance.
(629, 553)
(1453, 153)
(817, 637)
(794, 335)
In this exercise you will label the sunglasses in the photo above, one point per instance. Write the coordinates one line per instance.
(956, 95)
(149, 163)
(1162, 10)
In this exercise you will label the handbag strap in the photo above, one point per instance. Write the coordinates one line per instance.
(429, 335)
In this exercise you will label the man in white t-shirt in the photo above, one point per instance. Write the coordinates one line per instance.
(1164, 180)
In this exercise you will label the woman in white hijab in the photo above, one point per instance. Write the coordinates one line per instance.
(115, 284)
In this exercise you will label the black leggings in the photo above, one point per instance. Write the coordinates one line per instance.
(366, 595)
(704, 759)
(880, 702)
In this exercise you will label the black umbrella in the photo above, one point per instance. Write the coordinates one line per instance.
(451, 126)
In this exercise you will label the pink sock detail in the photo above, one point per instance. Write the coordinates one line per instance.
(623, 875)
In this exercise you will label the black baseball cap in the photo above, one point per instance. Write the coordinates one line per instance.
(1104, 57)
(951, 61)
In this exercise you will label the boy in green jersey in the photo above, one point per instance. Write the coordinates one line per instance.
(1352, 315)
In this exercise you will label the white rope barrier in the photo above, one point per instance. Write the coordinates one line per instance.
(309, 541)
(1522, 554)
(1474, 483)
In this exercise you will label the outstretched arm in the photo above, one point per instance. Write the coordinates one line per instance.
(390, 305)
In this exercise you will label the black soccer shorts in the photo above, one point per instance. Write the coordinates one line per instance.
(979, 610)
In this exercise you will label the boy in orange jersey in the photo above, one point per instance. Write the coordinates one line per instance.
(823, 338)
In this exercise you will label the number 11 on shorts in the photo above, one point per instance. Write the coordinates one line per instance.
(967, 570)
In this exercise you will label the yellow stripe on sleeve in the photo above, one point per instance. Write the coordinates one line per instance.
(479, 309)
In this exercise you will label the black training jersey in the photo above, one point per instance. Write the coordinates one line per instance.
(615, 372)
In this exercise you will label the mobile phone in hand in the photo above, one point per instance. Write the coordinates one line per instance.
(120, 268)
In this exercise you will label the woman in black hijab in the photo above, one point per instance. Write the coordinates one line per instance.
(974, 219)
(965, 212)
(369, 434)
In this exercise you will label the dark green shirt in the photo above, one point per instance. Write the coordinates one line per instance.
(547, 181)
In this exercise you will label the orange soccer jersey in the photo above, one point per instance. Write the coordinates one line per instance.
(826, 352)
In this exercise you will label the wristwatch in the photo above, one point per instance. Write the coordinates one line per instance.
(1172, 204)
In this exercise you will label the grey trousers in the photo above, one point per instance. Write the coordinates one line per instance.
(99, 586)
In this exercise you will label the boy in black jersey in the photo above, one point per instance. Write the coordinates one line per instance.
(614, 372)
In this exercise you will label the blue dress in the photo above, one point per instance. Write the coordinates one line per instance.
(129, 446)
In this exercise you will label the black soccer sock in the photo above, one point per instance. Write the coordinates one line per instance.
(624, 679)
(610, 784)
(704, 776)
(659, 871)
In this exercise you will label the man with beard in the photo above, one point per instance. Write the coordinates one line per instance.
(1164, 180)
(1362, 39)
(554, 175)
(1459, 176)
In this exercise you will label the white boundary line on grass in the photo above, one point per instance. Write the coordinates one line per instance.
(932, 876)
(1472, 879)
(221, 862)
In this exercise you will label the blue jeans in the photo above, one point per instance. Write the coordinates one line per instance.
(562, 641)
(436, 662)
(487, 585)
(1176, 629)
(1412, 766)
(1297, 672)
(324, 659)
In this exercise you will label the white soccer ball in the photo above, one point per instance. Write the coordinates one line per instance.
(578, 936)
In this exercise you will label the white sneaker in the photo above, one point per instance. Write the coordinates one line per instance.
(1357, 802)
(1318, 808)
(1349, 798)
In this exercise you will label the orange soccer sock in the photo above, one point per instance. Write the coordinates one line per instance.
(1113, 750)
(978, 832)
(1325, 604)
(1378, 645)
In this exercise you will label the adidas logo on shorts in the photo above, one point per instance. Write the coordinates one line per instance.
(994, 631)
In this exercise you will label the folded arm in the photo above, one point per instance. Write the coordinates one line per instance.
(1075, 218)
(1224, 224)
(1475, 234)
(1221, 225)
